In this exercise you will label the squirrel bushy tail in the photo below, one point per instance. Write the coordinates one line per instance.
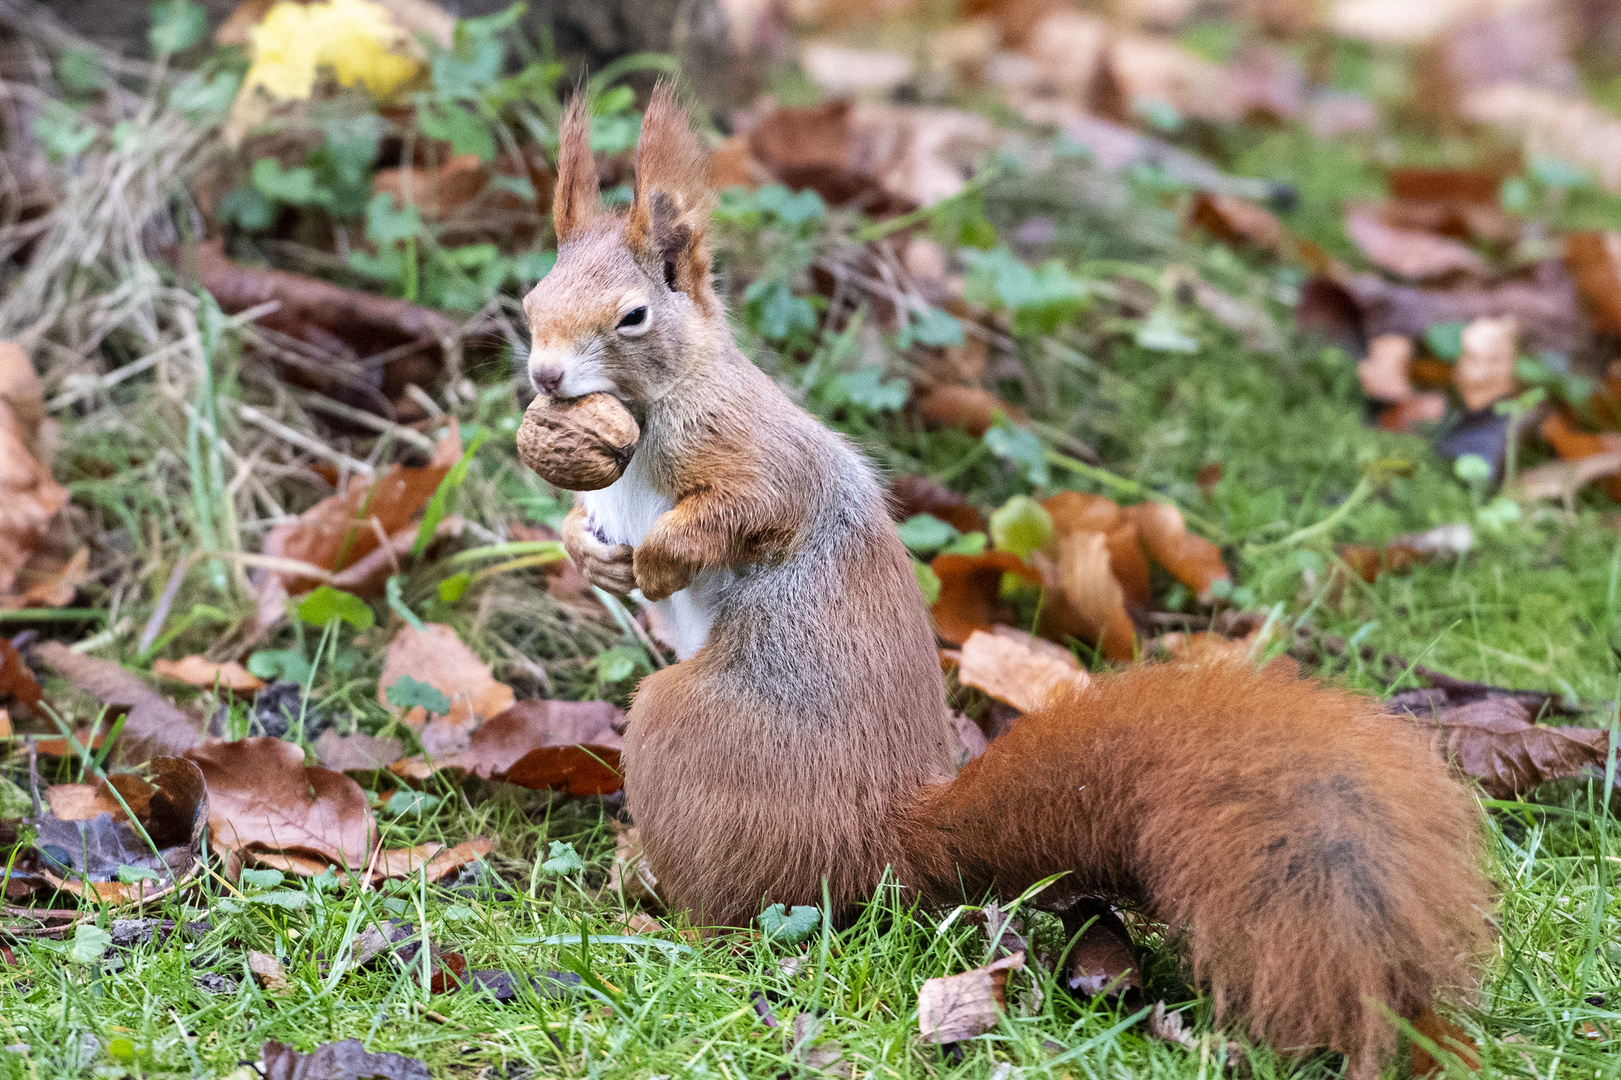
(1312, 856)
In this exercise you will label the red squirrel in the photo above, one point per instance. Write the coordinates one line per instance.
(1314, 858)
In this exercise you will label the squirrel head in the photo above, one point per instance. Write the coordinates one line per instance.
(630, 291)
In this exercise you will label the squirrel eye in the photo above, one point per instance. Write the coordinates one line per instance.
(633, 321)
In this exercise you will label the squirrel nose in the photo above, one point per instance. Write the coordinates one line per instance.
(546, 378)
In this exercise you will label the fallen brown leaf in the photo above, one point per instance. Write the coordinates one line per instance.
(1386, 373)
(959, 1007)
(87, 837)
(503, 740)
(1238, 223)
(1553, 124)
(265, 801)
(196, 671)
(436, 656)
(970, 591)
(972, 408)
(346, 1060)
(1594, 260)
(575, 770)
(267, 970)
(341, 530)
(432, 859)
(888, 157)
(1484, 372)
(1079, 512)
(1021, 670)
(1494, 741)
(1095, 596)
(1410, 253)
(29, 497)
(910, 495)
(1192, 560)
(152, 724)
(17, 684)
(438, 192)
(357, 752)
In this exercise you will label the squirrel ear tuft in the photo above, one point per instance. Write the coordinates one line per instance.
(574, 201)
(669, 220)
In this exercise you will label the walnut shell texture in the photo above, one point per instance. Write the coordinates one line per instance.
(578, 444)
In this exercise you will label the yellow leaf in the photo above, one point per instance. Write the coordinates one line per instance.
(357, 40)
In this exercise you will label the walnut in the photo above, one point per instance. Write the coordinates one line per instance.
(578, 444)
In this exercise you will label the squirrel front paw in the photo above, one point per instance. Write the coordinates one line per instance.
(661, 570)
(608, 566)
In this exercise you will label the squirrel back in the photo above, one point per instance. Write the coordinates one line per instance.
(1313, 855)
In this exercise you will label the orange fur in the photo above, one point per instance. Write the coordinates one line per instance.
(574, 202)
(1312, 854)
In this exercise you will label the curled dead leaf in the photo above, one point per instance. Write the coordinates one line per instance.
(959, 1007)
(1237, 222)
(1386, 373)
(1095, 596)
(436, 656)
(970, 591)
(263, 800)
(1594, 260)
(196, 671)
(1013, 667)
(152, 724)
(1484, 372)
(1192, 560)
(341, 530)
(972, 408)
(1410, 253)
(1494, 741)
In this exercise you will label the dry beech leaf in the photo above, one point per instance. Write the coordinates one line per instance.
(630, 875)
(1594, 260)
(1205, 647)
(1494, 741)
(1386, 374)
(267, 970)
(1022, 671)
(573, 745)
(574, 770)
(1484, 372)
(959, 1007)
(81, 802)
(1424, 407)
(1400, 554)
(434, 859)
(357, 752)
(1094, 594)
(972, 408)
(1236, 222)
(87, 837)
(888, 157)
(346, 1060)
(152, 724)
(265, 801)
(1192, 560)
(341, 530)
(17, 684)
(436, 656)
(29, 497)
(1410, 253)
(437, 193)
(970, 591)
(910, 495)
(1076, 512)
(196, 671)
